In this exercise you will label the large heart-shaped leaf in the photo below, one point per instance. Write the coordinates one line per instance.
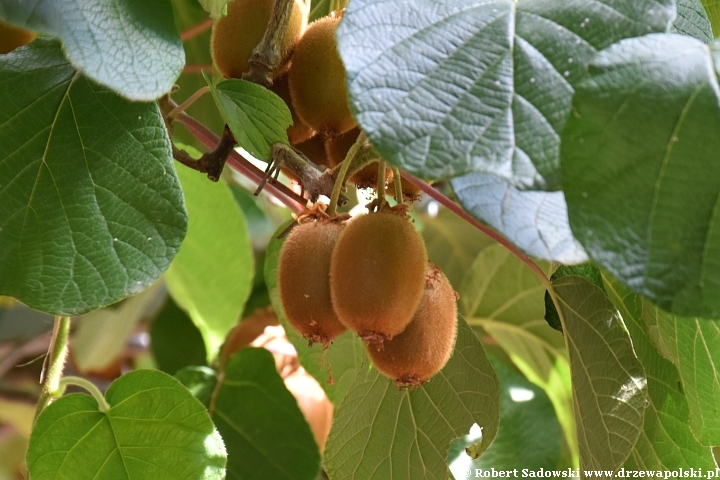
(535, 221)
(608, 382)
(380, 431)
(693, 345)
(212, 275)
(130, 46)
(666, 441)
(501, 295)
(640, 169)
(449, 88)
(90, 208)
(154, 429)
(266, 433)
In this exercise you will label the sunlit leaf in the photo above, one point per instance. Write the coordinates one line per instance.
(627, 180)
(130, 46)
(608, 382)
(380, 431)
(90, 208)
(211, 277)
(666, 441)
(154, 429)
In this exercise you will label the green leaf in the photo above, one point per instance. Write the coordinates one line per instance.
(529, 435)
(588, 271)
(608, 382)
(446, 89)
(336, 368)
(712, 8)
(535, 221)
(101, 335)
(130, 46)
(643, 133)
(692, 20)
(452, 243)
(504, 297)
(200, 381)
(380, 431)
(90, 208)
(265, 431)
(175, 341)
(154, 429)
(693, 345)
(216, 8)
(666, 441)
(256, 116)
(212, 275)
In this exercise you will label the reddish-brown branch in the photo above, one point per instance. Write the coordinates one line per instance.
(196, 30)
(236, 161)
(197, 68)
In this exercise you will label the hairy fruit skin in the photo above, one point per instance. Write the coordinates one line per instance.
(377, 274)
(235, 36)
(298, 132)
(422, 350)
(337, 148)
(303, 280)
(317, 80)
(12, 37)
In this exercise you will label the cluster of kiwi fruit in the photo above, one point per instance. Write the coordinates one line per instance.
(370, 275)
(311, 80)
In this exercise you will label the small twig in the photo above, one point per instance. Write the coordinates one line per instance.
(340, 181)
(291, 199)
(170, 117)
(196, 30)
(268, 55)
(54, 363)
(399, 195)
(211, 162)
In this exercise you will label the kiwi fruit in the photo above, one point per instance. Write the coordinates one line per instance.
(314, 149)
(303, 280)
(298, 132)
(12, 37)
(424, 347)
(317, 80)
(377, 273)
(235, 36)
(410, 192)
(337, 148)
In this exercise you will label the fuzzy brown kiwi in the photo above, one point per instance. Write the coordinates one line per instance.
(424, 347)
(314, 149)
(337, 148)
(377, 273)
(12, 37)
(303, 280)
(410, 192)
(317, 80)
(235, 36)
(298, 132)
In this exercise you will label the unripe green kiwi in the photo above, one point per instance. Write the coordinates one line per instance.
(298, 132)
(377, 273)
(424, 347)
(235, 36)
(303, 280)
(12, 37)
(317, 80)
